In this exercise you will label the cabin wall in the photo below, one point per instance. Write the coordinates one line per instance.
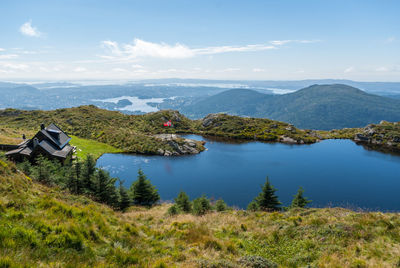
(8, 147)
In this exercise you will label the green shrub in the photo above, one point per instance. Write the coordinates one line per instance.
(212, 244)
(220, 205)
(253, 206)
(201, 205)
(173, 210)
(257, 262)
(183, 203)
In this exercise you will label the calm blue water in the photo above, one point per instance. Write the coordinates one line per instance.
(332, 172)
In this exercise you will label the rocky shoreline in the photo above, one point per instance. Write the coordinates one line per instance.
(179, 145)
(383, 135)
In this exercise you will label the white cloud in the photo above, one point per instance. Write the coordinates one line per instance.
(382, 69)
(28, 30)
(225, 49)
(349, 69)
(80, 69)
(8, 56)
(137, 66)
(284, 42)
(2, 49)
(15, 66)
(119, 70)
(258, 70)
(228, 70)
(140, 48)
(280, 42)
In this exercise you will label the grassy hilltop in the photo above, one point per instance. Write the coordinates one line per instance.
(135, 133)
(42, 226)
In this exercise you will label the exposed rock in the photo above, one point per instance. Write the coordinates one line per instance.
(180, 146)
(380, 136)
(210, 120)
(285, 139)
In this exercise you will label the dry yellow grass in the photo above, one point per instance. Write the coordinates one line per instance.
(13, 135)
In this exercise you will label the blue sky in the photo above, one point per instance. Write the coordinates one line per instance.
(263, 40)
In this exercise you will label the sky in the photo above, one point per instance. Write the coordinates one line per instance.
(235, 40)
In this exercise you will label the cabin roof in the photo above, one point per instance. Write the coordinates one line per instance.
(52, 140)
(56, 135)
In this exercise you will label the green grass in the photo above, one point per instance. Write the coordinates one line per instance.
(95, 148)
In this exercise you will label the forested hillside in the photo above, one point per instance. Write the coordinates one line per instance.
(322, 107)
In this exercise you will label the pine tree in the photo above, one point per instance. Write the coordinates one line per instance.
(113, 195)
(72, 183)
(105, 190)
(43, 170)
(103, 187)
(267, 200)
(143, 192)
(124, 199)
(183, 203)
(89, 168)
(78, 171)
(299, 200)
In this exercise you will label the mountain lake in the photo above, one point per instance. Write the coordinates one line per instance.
(332, 173)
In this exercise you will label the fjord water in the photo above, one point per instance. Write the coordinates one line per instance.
(332, 172)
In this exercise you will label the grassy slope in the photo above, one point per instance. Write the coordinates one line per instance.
(48, 227)
(13, 135)
(128, 133)
(95, 148)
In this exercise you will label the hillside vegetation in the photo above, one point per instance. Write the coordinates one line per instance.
(137, 133)
(42, 226)
(322, 107)
(128, 133)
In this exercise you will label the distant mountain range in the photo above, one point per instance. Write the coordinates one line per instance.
(315, 107)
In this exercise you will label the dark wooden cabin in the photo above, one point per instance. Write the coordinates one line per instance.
(51, 142)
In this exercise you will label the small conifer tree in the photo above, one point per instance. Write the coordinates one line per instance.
(143, 192)
(124, 199)
(183, 203)
(72, 182)
(78, 174)
(299, 200)
(267, 200)
(89, 168)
